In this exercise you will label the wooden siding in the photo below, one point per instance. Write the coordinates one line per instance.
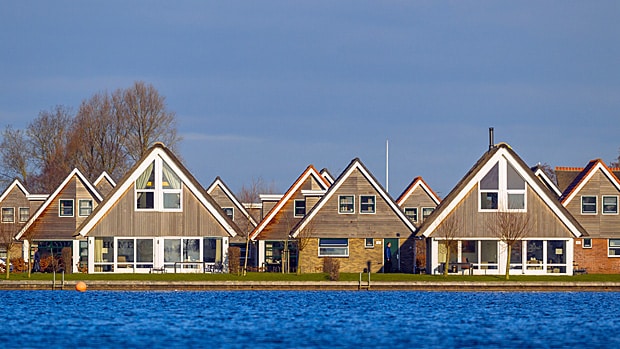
(104, 187)
(123, 220)
(15, 199)
(599, 224)
(474, 224)
(239, 218)
(419, 198)
(384, 223)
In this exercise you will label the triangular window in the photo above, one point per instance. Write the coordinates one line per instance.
(158, 187)
(502, 188)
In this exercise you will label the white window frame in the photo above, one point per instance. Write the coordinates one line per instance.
(344, 248)
(60, 206)
(352, 204)
(415, 215)
(373, 204)
(80, 207)
(232, 209)
(158, 190)
(502, 190)
(20, 214)
(615, 248)
(603, 205)
(12, 209)
(595, 204)
(583, 243)
(295, 208)
(427, 208)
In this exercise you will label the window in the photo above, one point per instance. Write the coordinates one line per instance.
(333, 247)
(412, 213)
(426, 211)
(229, 211)
(300, 208)
(24, 214)
(614, 247)
(158, 188)
(86, 207)
(515, 189)
(8, 214)
(66, 208)
(587, 243)
(502, 188)
(610, 205)
(489, 189)
(588, 205)
(367, 204)
(369, 243)
(346, 204)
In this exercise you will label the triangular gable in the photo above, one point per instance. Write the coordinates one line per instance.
(480, 169)
(355, 165)
(310, 171)
(75, 173)
(417, 182)
(15, 184)
(104, 177)
(157, 150)
(538, 172)
(584, 177)
(219, 183)
(328, 176)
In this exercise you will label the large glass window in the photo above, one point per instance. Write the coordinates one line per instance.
(516, 255)
(367, 204)
(412, 213)
(489, 189)
(614, 248)
(171, 188)
(212, 250)
(85, 207)
(556, 256)
(144, 253)
(172, 252)
(588, 204)
(125, 252)
(610, 204)
(300, 208)
(158, 188)
(502, 188)
(346, 204)
(469, 251)
(8, 214)
(515, 189)
(333, 247)
(534, 259)
(104, 254)
(145, 188)
(488, 254)
(65, 208)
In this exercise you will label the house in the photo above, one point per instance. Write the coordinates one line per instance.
(592, 198)
(500, 185)
(104, 184)
(52, 225)
(239, 214)
(418, 201)
(16, 206)
(354, 221)
(157, 218)
(276, 250)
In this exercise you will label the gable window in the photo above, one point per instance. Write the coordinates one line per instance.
(515, 189)
(489, 189)
(367, 204)
(229, 211)
(158, 188)
(300, 208)
(587, 243)
(24, 214)
(66, 208)
(502, 188)
(85, 207)
(333, 247)
(346, 204)
(588, 205)
(610, 205)
(614, 248)
(426, 211)
(412, 213)
(8, 214)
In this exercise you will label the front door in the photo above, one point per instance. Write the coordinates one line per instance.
(393, 264)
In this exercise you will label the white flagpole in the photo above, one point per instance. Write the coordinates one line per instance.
(387, 166)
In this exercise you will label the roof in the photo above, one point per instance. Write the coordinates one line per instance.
(52, 197)
(479, 170)
(417, 182)
(356, 164)
(310, 171)
(540, 173)
(584, 176)
(17, 184)
(158, 149)
(218, 182)
(104, 176)
(327, 175)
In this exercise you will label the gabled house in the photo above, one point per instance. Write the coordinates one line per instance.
(548, 182)
(157, 218)
(592, 198)
(276, 249)
(500, 182)
(418, 201)
(327, 175)
(104, 183)
(239, 214)
(52, 225)
(354, 221)
(16, 206)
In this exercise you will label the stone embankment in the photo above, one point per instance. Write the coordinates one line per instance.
(133, 285)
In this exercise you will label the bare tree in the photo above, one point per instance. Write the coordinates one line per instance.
(304, 237)
(146, 118)
(510, 228)
(15, 155)
(448, 231)
(548, 170)
(8, 243)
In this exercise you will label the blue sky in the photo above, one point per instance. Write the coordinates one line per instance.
(264, 88)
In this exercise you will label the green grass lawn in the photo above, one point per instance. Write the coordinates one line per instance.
(314, 277)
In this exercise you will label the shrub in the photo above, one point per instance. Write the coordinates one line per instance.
(19, 266)
(234, 254)
(331, 266)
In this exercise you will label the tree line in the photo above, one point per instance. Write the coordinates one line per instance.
(109, 132)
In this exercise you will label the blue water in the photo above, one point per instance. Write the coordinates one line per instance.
(300, 319)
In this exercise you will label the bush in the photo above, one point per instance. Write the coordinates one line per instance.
(331, 266)
(19, 266)
(234, 254)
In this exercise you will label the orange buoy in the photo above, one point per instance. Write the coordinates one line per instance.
(80, 286)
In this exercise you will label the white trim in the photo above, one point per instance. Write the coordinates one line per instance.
(232, 217)
(422, 212)
(352, 204)
(417, 216)
(79, 208)
(270, 197)
(608, 247)
(2, 215)
(418, 183)
(586, 179)
(603, 205)
(19, 214)
(295, 208)
(219, 183)
(543, 177)
(374, 204)
(595, 205)
(60, 207)
(106, 176)
(583, 243)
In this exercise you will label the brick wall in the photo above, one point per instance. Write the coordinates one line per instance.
(595, 259)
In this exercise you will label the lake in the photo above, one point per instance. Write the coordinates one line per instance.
(308, 319)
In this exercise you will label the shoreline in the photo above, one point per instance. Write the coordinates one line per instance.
(465, 286)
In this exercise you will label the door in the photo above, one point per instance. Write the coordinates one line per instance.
(392, 265)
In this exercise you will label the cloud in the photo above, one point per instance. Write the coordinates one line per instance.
(191, 137)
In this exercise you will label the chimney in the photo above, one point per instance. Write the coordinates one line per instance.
(491, 140)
